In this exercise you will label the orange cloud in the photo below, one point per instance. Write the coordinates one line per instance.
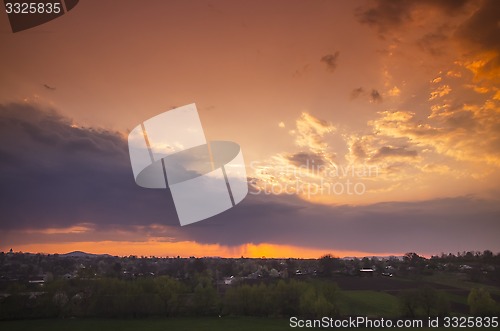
(82, 228)
(440, 92)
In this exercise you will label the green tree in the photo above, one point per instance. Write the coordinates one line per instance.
(287, 297)
(425, 301)
(328, 264)
(481, 303)
(433, 303)
(313, 303)
(409, 303)
(205, 299)
(171, 292)
(413, 259)
(60, 299)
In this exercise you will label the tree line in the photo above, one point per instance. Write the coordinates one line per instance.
(166, 296)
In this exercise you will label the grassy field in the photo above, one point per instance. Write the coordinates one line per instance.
(368, 303)
(456, 281)
(150, 324)
(378, 296)
(161, 324)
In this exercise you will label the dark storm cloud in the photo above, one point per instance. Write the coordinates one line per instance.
(357, 92)
(387, 14)
(482, 29)
(331, 61)
(462, 120)
(433, 43)
(303, 159)
(52, 174)
(358, 149)
(375, 96)
(388, 152)
(48, 87)
(433, 226)
(480, 33)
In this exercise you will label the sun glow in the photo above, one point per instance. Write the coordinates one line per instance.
(187, 249)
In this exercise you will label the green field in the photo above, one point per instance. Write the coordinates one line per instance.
(456, 281)
(367, 303)
(150, 324)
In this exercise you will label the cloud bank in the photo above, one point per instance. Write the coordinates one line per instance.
(62, 183)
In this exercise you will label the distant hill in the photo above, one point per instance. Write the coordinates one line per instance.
(83, 254)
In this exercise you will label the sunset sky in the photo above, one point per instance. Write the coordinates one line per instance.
(367, 127)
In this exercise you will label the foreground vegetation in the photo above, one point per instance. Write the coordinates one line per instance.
(157, 324)
(144, 288)
(161, 324)
(308, 297)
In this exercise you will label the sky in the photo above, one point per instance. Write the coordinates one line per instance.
(367, 127)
